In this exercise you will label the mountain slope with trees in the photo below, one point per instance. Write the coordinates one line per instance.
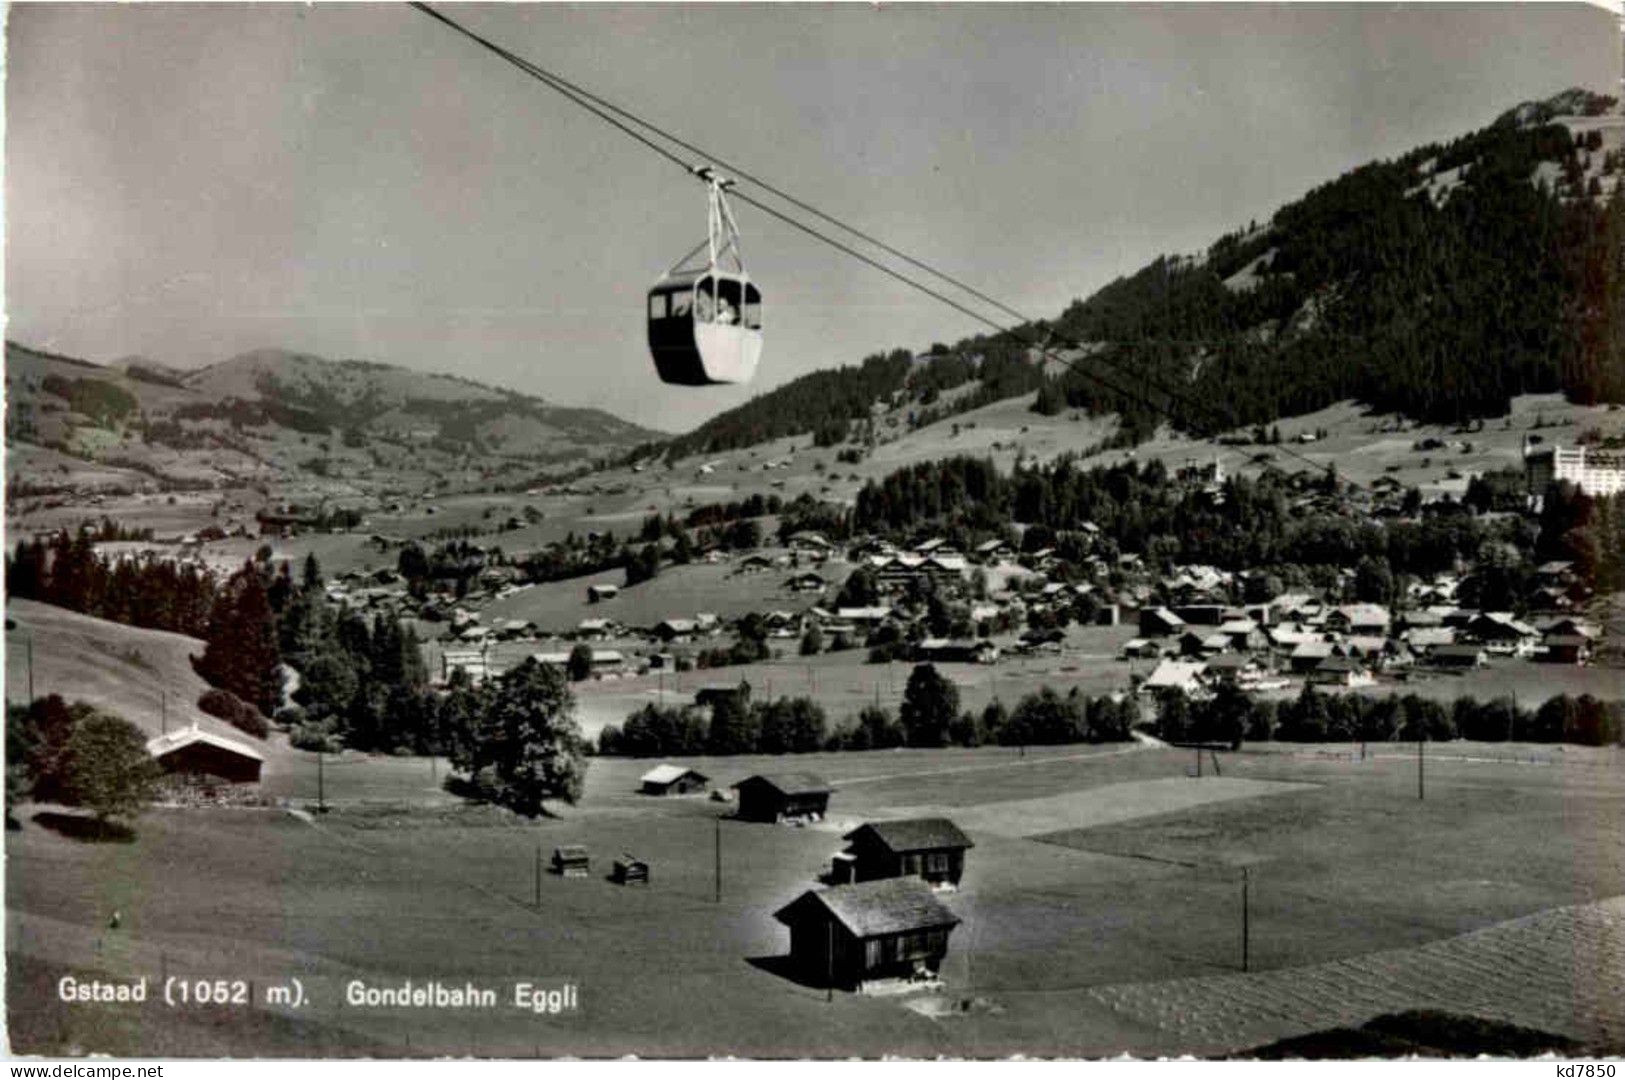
(1437, 285)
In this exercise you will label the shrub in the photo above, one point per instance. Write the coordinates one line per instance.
(315, 735)
(234, 711)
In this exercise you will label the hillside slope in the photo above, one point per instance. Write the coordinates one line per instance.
(270, 417)
(1438, 286)
(144, 676)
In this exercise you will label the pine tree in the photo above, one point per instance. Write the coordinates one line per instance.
(930, 704)
(241, 652)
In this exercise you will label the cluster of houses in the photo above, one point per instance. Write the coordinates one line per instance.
(1257, 647)
(879, 919)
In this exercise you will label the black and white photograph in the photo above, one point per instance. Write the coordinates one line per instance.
(841, 531)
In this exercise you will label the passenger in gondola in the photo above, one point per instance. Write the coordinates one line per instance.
(725, 311)
(703, 306)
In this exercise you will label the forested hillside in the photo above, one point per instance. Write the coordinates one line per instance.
(1437, 285)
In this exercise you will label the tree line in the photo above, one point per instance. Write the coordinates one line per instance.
(1231, 716)
(1499, 288)
(930, 716)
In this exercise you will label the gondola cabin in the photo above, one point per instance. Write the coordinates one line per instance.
(705, 319)
(705, 327)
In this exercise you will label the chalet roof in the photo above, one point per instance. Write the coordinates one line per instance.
(1503, 621)
(914, 834)
(666, 774)
(1311, 649)
(863, 614)
(1168, 617)
(888, 906)
(1365, 614)
(160, 745)
(1340, 663)
(1571, 641)
(968, 644)
(1572, 626)
(1176, 673)
(790, 783)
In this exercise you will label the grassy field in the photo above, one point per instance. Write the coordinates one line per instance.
(1095, 867)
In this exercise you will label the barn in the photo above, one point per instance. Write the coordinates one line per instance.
(783, 797)
(672, 780)
(850, 935)
(195, 751)
(932, 849)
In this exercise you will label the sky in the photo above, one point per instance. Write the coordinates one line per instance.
(189, 182)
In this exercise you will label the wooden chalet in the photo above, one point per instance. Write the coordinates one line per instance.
(1566, 648)
(932, 849)
(672, 780)
(1458, 656)
(850, 935)
(203, 753)
(1160, 622)
(1340, 671)
(775, 797)
(943, 651)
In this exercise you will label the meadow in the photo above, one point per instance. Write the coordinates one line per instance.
(1099, 873)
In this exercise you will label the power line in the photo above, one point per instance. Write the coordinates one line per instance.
(601, 109)
(622, 119)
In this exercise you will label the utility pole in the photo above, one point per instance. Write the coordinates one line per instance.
(718, 849)
(829, 960)
(1198, 762)
(1246, 928)
(321, 790)
(1421, 765)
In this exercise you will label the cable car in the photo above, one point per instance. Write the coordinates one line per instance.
(705, 320)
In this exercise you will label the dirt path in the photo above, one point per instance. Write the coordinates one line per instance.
(1013, 763)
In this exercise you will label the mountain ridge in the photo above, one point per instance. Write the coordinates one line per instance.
(276, 415)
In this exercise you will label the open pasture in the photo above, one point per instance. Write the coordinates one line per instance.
(1139, 884)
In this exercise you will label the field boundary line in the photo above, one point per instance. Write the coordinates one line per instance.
(1014, 763)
